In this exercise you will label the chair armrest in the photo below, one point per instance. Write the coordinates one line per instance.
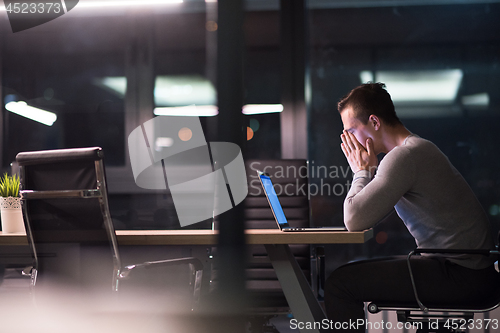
(456, 251)
(198, 266)
(90, 193)
(195, 281)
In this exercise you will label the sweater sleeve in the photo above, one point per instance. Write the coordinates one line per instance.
(369, 200)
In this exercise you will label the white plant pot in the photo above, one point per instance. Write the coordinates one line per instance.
(11, 215)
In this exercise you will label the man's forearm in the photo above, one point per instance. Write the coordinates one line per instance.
(360, 180)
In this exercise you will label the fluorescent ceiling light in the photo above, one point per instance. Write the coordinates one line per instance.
(114, 84)
(189, 111)
(428, 86)
(183, 90)
(476, 100)
(366, 76)
(36, 114)
(212, 110)
(170, 90)
(186, 95)
(119, 3)
(124, 3)
(251, 109)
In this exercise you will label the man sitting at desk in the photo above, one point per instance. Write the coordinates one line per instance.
(430, 196)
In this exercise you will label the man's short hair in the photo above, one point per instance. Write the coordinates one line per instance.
(370, 98)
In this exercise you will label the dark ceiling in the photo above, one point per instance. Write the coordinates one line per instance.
(338, 26)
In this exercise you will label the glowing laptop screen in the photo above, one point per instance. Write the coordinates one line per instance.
(272, 197)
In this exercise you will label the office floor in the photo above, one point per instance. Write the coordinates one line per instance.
(282, 324)
(15, 301)
(16, 287)
(14, 283)
(277, 324)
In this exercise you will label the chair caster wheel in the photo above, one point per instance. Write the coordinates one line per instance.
(373, 308)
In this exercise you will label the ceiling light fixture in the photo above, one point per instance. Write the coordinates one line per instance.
(187, 111)
(23, 109)
(125, 3)
(417, 86)
(212, 110)
(251, 109)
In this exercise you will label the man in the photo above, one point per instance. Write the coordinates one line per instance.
(430, 196)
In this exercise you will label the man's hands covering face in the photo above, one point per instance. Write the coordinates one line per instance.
(358, 157)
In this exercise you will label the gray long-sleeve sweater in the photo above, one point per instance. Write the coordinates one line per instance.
(431, 197)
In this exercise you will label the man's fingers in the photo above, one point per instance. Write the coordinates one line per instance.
(353, 142)
(369, 146)
(345, 142)
(344, 150)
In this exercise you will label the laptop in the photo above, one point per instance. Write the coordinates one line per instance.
(277, 210)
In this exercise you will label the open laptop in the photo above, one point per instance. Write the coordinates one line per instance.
(277, 210)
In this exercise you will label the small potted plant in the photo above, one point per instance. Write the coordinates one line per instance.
(10, 205)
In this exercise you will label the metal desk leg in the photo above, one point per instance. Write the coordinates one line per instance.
(299, 295)
(204, 254)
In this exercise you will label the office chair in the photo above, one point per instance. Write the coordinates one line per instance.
(291, 182)
(444, 317)
(69, 228)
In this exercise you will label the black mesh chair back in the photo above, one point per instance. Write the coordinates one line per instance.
(69, 229)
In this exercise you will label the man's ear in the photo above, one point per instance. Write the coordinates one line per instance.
(374, 121)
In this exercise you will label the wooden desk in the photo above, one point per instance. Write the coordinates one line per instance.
(300, 298)
(209, 237)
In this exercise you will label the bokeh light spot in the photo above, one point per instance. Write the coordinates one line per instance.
(494, 210)
(211, 26)
(381, 237)
(254, 124)
(48, 94)
(185, 134)
(249, 133)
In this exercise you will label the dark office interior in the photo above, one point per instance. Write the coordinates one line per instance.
(104, 72)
